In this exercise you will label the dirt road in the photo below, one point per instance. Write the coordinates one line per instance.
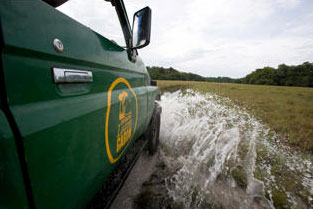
(141, 172)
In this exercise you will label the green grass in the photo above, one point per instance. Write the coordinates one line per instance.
(287, 110)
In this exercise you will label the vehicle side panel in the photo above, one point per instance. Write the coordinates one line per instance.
(12, 192)
(64, 125)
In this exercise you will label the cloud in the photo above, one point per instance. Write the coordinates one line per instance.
(213, 37)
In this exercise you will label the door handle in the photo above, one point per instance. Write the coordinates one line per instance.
(62, 75)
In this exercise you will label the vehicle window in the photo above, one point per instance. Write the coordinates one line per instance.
(98, 15)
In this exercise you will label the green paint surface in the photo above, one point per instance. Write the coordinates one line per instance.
(12, 191)
(63, 125)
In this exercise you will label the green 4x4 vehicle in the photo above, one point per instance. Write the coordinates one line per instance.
(72, 103)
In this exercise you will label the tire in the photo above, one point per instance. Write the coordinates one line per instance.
(153, 132)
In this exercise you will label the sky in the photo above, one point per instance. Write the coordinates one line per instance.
(211, 37)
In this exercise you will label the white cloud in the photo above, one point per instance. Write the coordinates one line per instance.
(213, 37)
(287, 4)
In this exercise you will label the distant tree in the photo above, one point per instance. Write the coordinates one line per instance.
(284, 75)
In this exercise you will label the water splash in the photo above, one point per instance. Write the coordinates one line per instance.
(209, 146)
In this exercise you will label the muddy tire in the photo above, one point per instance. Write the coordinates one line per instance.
(153, 131)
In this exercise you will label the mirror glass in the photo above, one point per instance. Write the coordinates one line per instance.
(141, 28)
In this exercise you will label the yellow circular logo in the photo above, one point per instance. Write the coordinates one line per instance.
(121, 118)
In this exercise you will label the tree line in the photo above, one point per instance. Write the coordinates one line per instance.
(283, 75)
(160, 73)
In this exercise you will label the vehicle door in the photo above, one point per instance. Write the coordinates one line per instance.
(77, 100)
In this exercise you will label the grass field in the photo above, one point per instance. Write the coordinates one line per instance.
(287, 110)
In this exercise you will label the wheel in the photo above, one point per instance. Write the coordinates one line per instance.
(153, 132)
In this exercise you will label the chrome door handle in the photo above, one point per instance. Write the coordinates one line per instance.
(62, 75)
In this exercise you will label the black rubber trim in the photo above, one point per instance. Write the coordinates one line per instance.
(17, 135)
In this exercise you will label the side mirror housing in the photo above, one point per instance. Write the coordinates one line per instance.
(141, 28)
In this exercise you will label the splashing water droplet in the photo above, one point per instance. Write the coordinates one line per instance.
(201, 134)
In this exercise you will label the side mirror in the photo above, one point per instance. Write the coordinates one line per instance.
(141, 28)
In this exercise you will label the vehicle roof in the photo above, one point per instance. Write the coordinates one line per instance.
(56, 3)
